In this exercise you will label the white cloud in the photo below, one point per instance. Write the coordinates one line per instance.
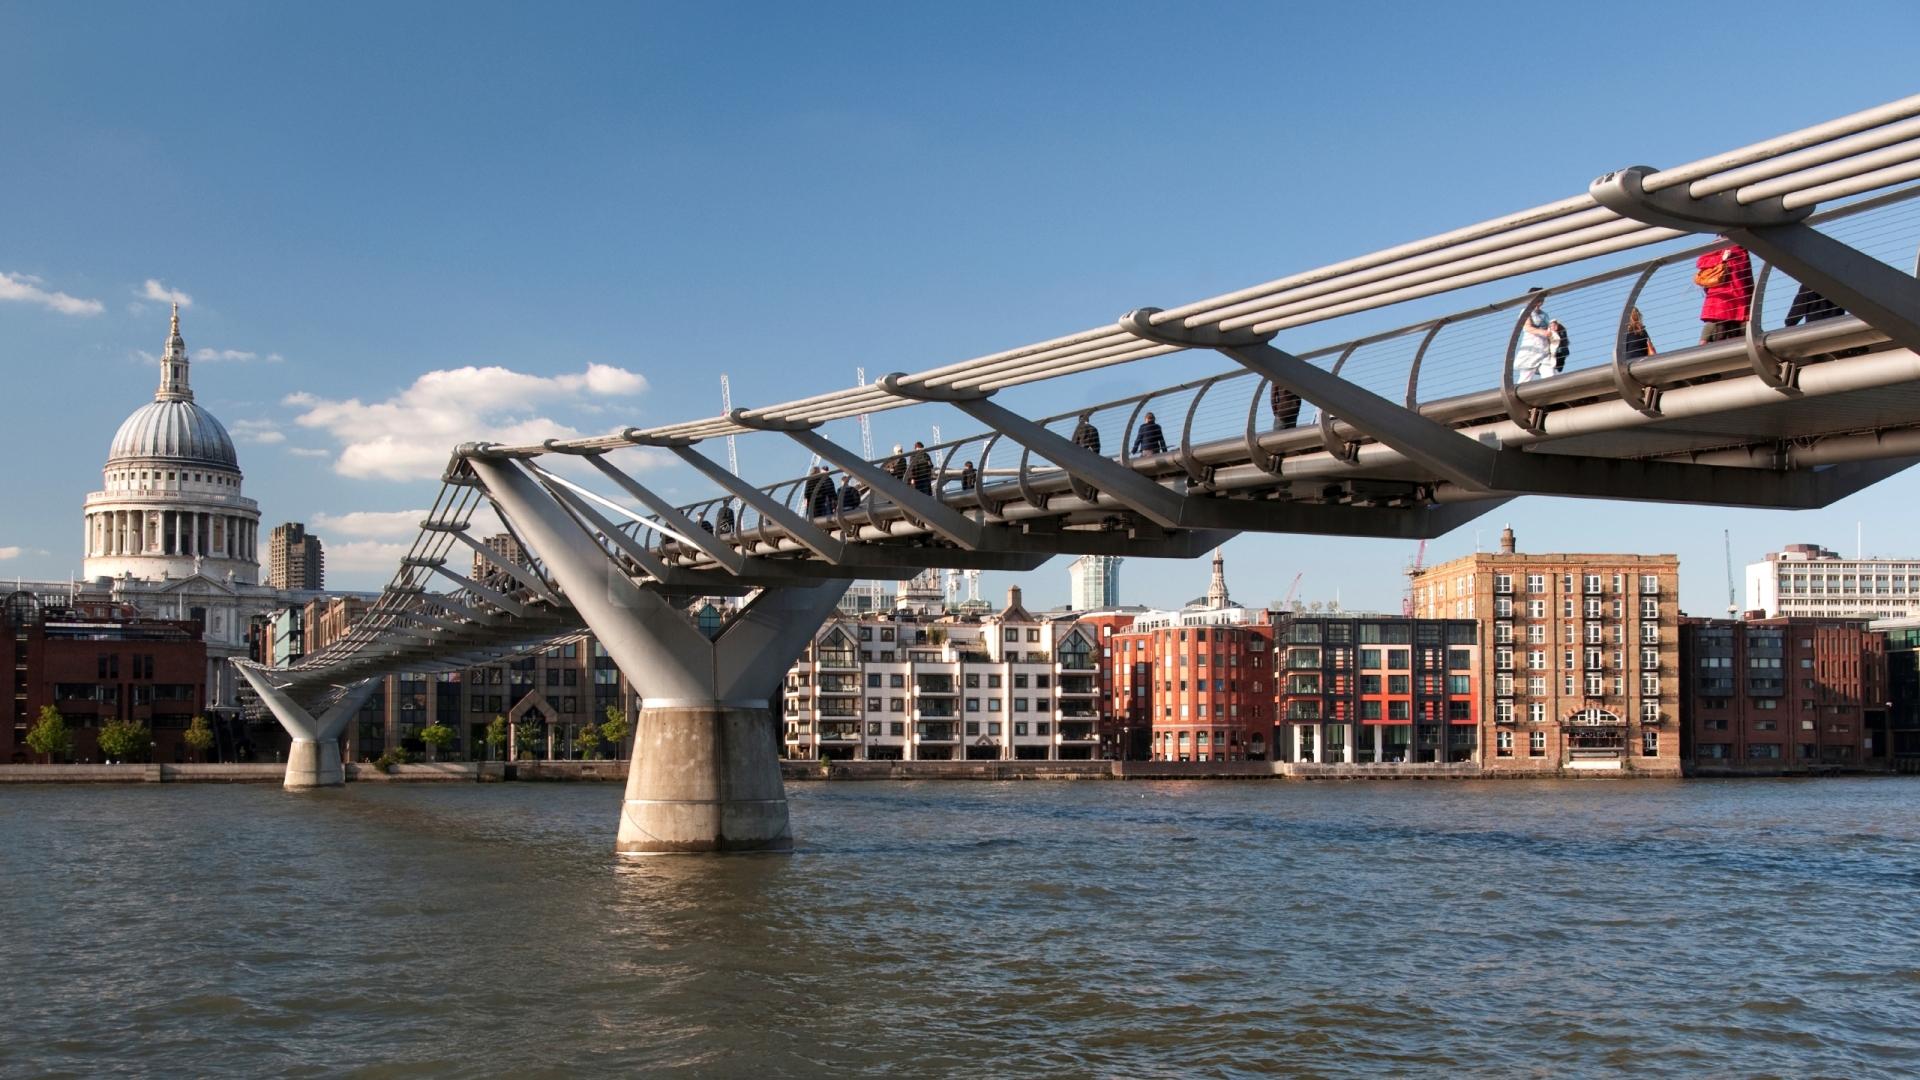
(410, 435)
(257, 431)
(389, 524)
(157, 291)
(9, 553)
(363, 555)
(302, 451)
(25, 288)
(208, 355)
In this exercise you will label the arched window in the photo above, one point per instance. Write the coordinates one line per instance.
(836, 650)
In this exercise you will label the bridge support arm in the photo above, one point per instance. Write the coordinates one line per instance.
(1435, 447)
(313, 759)
(706, 772)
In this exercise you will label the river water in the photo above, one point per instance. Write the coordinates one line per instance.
(1101, 929)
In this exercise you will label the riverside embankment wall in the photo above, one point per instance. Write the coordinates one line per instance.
(616, 772)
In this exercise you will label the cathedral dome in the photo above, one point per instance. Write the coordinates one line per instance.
(171, 428)
(176, 431)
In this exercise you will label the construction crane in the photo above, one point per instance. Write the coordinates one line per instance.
(726, 406)
(1287, 604)
(866, 429)
(1726, 537)
(1413, 571)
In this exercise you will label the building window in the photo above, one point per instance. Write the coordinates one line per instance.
(1503, 743)
(1536, 583)
(1650, 713)
(993, 704)
(1536, 713)
(1536, 744)
(896, 704)
(973, 704)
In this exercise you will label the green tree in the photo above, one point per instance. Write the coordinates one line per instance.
(49, 736)
(200, 736)
(615, 730)
(588, 740)
(125, 740)
(529, 736)
(497, 734)
(437, 735)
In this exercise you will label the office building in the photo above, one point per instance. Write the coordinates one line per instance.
(1788, 695)
(1808, 580)
(1094, 582)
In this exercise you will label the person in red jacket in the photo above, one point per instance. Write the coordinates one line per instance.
(1727, 275)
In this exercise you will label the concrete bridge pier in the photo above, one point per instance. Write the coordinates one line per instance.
(706, 769)
(313, 760)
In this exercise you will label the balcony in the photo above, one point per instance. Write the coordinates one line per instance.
(1070, 732)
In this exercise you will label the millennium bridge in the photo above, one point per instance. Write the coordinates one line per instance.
(1408, 432)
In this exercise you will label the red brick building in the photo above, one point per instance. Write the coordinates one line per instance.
(1199, 685)
(103, 662)
(1785, 695)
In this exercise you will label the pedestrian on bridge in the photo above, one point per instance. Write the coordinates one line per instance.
(1286, 407)
(968, 478)
(1149, 439)
(819, 492)
(849, 495)
(724, 519)
(896, 465)
(920, 469)
(1637, 344)
(1727, 275)
(1086, 436)
(1533, 353)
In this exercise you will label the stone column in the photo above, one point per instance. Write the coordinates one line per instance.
(706, 770)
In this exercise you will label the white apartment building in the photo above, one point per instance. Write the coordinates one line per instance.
(1005, 686)
(1807, 579)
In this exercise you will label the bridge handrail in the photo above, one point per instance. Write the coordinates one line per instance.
(1851, 155)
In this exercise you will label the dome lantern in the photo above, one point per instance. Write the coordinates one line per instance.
(171, 429)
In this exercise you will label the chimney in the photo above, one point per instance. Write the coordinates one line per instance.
(1013, 597)
(1506, 540)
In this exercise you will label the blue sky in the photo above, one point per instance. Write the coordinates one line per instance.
(616, 204)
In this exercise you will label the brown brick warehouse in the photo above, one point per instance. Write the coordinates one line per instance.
(1583, 652)
(97, 663)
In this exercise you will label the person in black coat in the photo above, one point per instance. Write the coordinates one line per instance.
(725, 518)
(920, 469)
(1149, 439)
(1286, 407)
(1810, 306)
(1086, 436)
(849, 496)
(968, 478)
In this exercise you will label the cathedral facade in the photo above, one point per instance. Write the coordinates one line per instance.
(171, 531)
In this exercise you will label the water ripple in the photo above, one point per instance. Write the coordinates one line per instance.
(970, 929)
